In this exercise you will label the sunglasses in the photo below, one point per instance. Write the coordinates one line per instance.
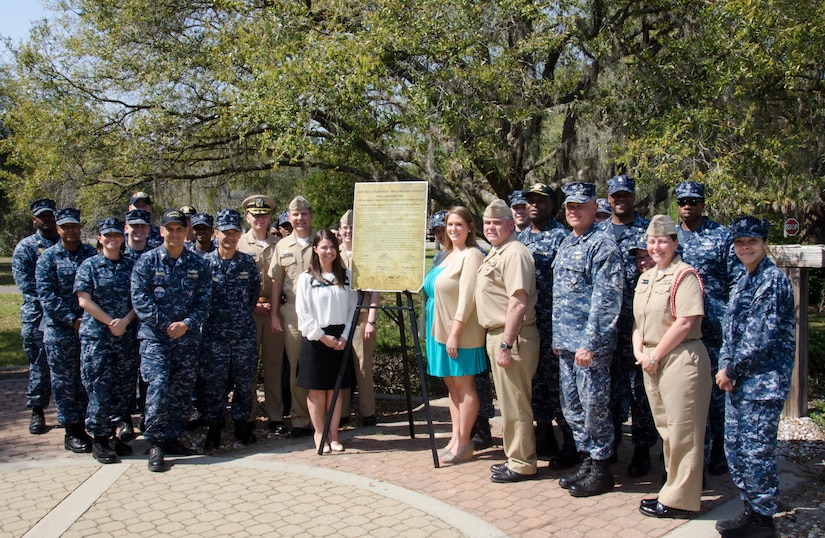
(682, 202)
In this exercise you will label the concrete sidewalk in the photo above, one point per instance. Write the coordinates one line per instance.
(384, 484)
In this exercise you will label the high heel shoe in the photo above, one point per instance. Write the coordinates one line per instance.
(335, 446)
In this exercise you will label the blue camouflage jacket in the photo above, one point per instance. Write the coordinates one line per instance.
(588, 280)
(544, 245)
(23, 266)
(235, 287)
(55, 272)
(165, 290)
(760, 334)
(709, 249)
(109, 285)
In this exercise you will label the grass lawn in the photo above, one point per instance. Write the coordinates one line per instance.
(11, 343)
(5, 272)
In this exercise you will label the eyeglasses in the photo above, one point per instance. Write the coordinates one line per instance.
(682, 202)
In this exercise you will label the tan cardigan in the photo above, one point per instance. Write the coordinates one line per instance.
(455, 299)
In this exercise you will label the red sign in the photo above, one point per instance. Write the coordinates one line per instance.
(791, 227)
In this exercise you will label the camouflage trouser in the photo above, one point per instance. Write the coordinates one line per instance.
(716, 411)
(170, 370)
(585, 398)
(484, 387)
(108, 367)
(751, 428)
(546, 400)
(63, 353)
(39, 390)
(239, 356)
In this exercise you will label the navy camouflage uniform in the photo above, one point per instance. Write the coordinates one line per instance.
(587, 295)
(626, 379)
(543, 245)
(109, 363)
(758, 357)
(229, 337)
(165, 290)
(55, 272)
(23, 264)
(709, 249)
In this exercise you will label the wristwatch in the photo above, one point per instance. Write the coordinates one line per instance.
(505, 346)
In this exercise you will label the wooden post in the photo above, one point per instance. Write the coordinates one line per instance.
(795, 261)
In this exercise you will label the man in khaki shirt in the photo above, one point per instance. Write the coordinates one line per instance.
(260, 244)
(291, 258)
(506, 306)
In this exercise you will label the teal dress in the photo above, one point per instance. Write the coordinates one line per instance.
(470, 361)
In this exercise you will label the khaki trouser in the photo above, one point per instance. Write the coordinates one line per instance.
(679, 395)
(271, 352)
(362, 351)
(514, 386)
(292, 343)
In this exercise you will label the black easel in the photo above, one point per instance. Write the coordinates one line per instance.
(399, 319)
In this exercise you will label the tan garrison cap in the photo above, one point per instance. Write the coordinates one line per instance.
(347, 218)
(299, 203)
(498, 209)
(661, 225)
(258, 204)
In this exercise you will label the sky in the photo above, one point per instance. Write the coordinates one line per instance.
(16, 17)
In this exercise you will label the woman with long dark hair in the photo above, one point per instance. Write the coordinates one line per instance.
(324, 303)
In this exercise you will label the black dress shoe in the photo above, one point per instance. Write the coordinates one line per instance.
(298, 432)
(37, 426)
(156, 463)
(508, 475)
(650, 503)
(498, 468)
(174, 447)
(660, 510)
(369, 421)
(277, 427)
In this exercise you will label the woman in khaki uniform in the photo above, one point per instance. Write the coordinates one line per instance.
(667, 311)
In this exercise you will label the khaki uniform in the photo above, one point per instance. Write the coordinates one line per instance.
(679, 393)
(269, 344)
(507, 269)
(362, 352)
(290, 260)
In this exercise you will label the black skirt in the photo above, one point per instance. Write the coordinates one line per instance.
(318, 364)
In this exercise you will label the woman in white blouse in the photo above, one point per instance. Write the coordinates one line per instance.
(325, 303)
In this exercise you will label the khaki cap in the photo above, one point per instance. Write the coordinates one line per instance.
(299, 203)
(498, 209)
(661, 225)
(258, 204)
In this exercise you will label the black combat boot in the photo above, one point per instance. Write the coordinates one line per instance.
(480, 435)
(546, 444)
(76, 439)
(102, 451)
(640, 464)
(748, 525)
(213, 437)
(718, 462)
(37, 425)
(600, 480)
(156, 463)
(243, 432)
(125, 430)
(583, 471)
(568, 456)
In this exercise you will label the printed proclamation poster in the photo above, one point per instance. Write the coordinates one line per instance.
(388, 237)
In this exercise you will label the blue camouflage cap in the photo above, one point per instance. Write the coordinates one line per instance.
(228, 219)
(621, 183)
(138, 216)
(516, 198)
(439, 218)
(67, 215)
(638, 243)
(202, 219)
(750, 227)
(42, 205)
(579, 192)
(283, 218)
(109, 225)
(604, 206)
(690, 189)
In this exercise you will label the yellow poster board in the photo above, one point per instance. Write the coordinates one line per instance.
(389, 226)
